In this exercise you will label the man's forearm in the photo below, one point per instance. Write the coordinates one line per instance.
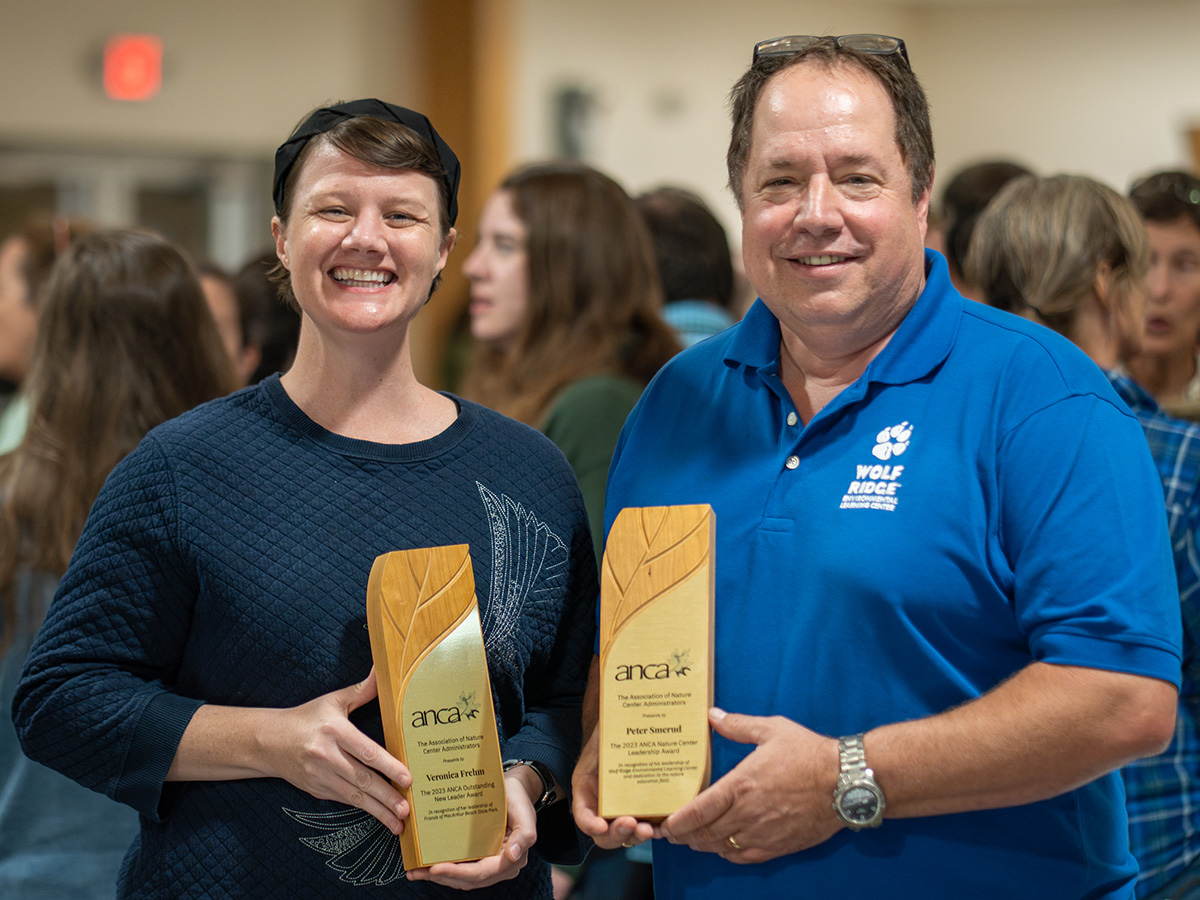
(1045, 731)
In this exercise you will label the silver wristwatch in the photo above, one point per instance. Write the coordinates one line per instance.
(857, 798)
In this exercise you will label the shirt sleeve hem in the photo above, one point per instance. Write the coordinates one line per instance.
(1126, 656)
(152, 750)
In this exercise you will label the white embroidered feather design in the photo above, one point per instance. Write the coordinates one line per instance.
(522, 547)
(359, 848)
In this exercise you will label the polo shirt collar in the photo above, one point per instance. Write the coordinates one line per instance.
(921, 342)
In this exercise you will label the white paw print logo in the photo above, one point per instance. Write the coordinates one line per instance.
(892, 441)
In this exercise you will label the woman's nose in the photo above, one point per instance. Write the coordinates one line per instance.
(366, 233)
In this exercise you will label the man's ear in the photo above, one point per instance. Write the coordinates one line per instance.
(922, 206)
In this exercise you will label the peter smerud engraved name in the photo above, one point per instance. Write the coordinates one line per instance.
(678, 729)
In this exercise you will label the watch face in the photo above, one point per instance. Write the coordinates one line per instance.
(859, 804)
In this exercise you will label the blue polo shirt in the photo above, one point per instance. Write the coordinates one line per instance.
(978, 499)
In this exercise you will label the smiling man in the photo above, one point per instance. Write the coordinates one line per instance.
(935, 638)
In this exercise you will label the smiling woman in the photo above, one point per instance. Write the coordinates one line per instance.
(362, 246)
(235, 545)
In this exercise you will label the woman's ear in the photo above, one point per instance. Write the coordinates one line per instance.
(1102, 286)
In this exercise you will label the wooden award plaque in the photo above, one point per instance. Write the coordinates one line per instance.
(436, 700)
(656, 650)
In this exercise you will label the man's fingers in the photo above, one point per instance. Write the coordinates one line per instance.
(737, 727)
(693, 821)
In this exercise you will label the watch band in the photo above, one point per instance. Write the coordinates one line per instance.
(549, 793)
(852, 756)
(857, 798)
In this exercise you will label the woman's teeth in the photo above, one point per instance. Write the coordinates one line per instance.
(361, 277)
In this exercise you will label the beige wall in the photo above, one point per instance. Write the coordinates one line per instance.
(1096, 86)
(661, 72)
(1107, 89)
(238, 74)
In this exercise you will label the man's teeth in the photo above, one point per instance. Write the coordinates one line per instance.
(821, 260)
(361, 276)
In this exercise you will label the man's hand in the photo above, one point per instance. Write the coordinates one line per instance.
(624, 831)
(520, 835)
(778, 800)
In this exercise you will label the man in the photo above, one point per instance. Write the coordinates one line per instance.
(921, 585)
(963, 201)
(1170, 206)
(694, 267)
(1164, 791)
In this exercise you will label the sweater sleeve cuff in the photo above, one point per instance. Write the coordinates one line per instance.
(152, 750)
(559, 840)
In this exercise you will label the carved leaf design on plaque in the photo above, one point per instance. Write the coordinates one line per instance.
(649, 551)
(426, 592)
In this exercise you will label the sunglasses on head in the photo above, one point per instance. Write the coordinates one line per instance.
(880, 44)
(1182, 186)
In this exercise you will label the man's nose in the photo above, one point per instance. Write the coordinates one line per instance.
(819, 210)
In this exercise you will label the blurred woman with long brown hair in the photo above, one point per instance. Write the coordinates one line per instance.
(565, 309)
(124, 341)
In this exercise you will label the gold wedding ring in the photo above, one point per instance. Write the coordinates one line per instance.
(733, 843)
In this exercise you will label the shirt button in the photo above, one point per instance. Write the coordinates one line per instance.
(792, 462)
(792, 418)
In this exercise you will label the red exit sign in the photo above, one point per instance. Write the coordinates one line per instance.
(132, 66)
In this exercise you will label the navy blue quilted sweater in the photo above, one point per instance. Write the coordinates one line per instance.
(226, 561)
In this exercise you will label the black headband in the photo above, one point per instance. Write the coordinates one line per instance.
(325, 118)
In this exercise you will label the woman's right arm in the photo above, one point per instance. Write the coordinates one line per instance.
(313, 746)
(98, 698)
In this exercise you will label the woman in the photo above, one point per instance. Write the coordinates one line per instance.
(209, 643)
(25, 261)
(1072, 254)
(565, 308)
(125, 342)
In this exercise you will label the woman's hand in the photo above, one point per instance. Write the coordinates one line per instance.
(520, 835)
(316, 748)
(313, 746)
